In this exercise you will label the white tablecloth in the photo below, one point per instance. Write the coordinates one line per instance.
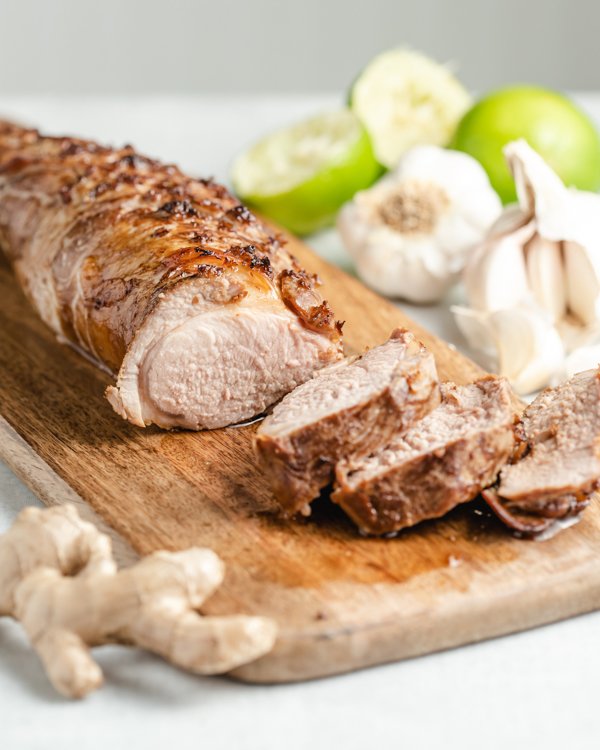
(534, 689)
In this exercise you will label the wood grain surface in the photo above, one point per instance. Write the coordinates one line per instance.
(342, 601)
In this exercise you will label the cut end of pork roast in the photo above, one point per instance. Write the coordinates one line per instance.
(556, 465)
(351, 408)
(202, 361)
(443, 460)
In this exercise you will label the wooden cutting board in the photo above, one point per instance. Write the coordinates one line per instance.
(342, 601)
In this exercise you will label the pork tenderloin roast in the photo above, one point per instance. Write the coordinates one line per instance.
(164, 280)
(445, 459)
(349, 409)
(556, 464)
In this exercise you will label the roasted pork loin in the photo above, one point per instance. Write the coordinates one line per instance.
(556, 465)
(164, 280)
(445, 459)
(349, 409)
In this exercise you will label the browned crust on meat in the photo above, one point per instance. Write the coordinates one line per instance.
(298, 291)
(538, 512)
(428, 486)
(544, 521)
(135, 228)
(299, 465)
(541, 511)
(297, 476)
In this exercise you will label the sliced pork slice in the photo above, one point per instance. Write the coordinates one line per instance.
(443, 460)
(351, 408)
(166, 281)
(556, 466)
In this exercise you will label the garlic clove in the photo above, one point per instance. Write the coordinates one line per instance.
(496, 276)
(584, 358)
(511, 219)
(584, 219)
(545, 273)
(509, 350)
(476, 328)
(576, 335)
(526, 348)
(582, 269)
(529, 348)
(582, 256)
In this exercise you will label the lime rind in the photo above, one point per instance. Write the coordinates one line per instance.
(302, 175)
(551, 123)
(294, 155)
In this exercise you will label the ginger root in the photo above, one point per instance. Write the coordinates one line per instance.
(59, 579)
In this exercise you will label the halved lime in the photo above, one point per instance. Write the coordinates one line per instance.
(552, 124)
(302, 175)
(405, 99)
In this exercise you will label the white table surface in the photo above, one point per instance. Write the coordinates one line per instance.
(537, 689)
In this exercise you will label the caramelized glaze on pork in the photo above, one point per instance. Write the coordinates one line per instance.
(167, 281)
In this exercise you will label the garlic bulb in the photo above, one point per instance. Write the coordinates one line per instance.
(410, 234)
(533, 284)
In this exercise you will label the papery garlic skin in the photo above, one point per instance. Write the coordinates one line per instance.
(410, 234)
(533, 284)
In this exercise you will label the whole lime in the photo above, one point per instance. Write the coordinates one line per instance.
(552, 124)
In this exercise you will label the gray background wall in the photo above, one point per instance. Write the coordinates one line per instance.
(126, 46)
